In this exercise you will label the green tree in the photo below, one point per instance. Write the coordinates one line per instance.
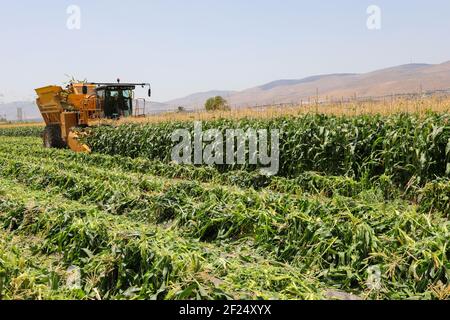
(217, 104)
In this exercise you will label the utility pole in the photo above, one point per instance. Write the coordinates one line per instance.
(317, 100)
(19, 114)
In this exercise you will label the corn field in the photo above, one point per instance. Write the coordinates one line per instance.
(353, 195)
(21, 131)
(402, 147)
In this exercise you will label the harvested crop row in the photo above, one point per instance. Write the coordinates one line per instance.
(26, 273)
(308, 182)
(121, 181)
(402, 147)
(435, 196)
(99, 167)
(343, 236)
(123, 259)
(163, 204)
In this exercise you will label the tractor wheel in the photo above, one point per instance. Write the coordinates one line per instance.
(52, 137)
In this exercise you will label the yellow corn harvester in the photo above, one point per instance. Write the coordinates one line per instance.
(81, 105)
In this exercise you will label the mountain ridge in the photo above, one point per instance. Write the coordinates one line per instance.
(401, 79)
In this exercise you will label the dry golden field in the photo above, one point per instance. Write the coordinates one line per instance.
(15, 125)
(386, 107)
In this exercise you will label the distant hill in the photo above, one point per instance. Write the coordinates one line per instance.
(29, 109)
(409, 78)
(198, 100)
(284, 83)
(153, 107)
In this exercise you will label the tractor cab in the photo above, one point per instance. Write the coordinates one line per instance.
(116, 100)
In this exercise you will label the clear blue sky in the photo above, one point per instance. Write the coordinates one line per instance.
(183, 46)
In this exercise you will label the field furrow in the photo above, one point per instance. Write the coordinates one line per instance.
(309, 182)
